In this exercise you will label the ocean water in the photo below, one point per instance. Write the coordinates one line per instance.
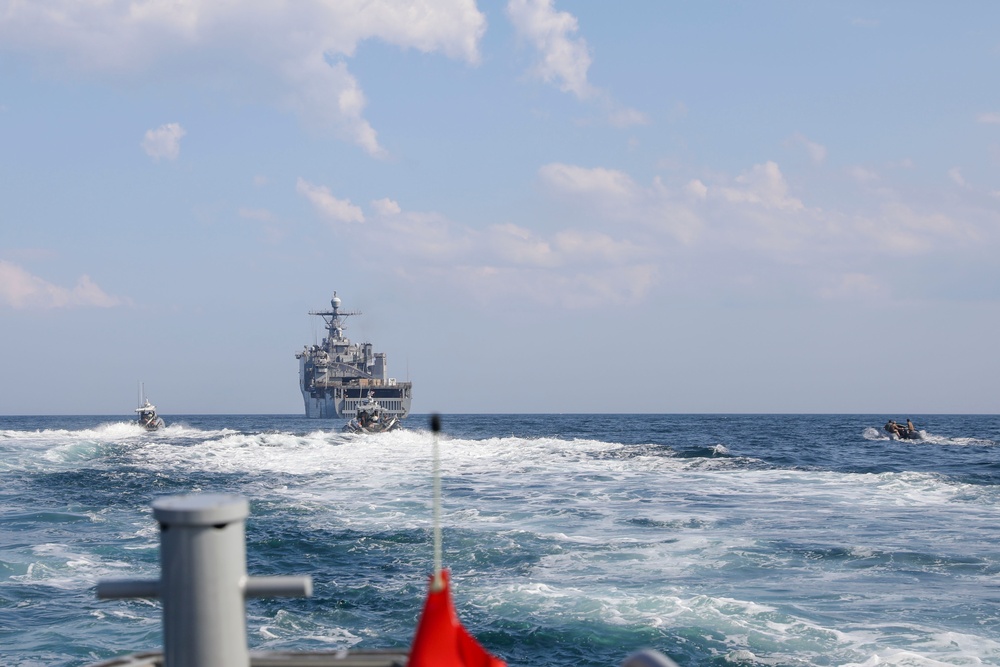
(572, 539)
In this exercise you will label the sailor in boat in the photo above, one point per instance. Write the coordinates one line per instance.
(369, 418)
(148, 418)
(908, 432)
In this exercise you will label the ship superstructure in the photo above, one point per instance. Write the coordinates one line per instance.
(337, 375)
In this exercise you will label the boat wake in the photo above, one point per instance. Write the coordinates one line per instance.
(958, 442)
(787, 544)
(872, 433)
(111, 431)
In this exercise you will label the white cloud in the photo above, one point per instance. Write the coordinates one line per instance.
(863, 174)
(569, 289)
(612, 193)
(386, 206)
(22, 290)
(322, 94)
(286, 54)
(518, 245)
(816, 152)
(744, 232)
(423, 239)
(164, 141)
(753, 214)
(584, 246)
(627, 118)
(898, 229)
(763, 185)
(573, 179)
(955, 174)
(563, 60)
(697, 189)
(337, 210)
(568, 267)
(989, 117)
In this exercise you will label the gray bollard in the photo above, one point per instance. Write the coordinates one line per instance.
(203, 581)
(202, 573)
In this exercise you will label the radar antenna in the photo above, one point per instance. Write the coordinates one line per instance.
(335, 317)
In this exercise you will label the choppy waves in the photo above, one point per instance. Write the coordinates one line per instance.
(564, 550)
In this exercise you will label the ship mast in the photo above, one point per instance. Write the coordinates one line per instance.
(334, 319)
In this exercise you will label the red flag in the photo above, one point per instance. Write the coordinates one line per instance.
(441, 641)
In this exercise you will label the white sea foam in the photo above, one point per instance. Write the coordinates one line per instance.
(871, 433)
(519, 473)
(956, 441)
(784, 636)
(762, 564)
(67, 568)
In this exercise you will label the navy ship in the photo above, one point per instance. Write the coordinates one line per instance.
(337, 376)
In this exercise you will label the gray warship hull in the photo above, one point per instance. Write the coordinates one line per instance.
(336, 376)
(341, 402)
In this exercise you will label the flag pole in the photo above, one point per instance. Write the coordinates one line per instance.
(438, 583)
(440, 639)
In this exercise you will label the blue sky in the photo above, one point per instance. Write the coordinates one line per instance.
(538, 206)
